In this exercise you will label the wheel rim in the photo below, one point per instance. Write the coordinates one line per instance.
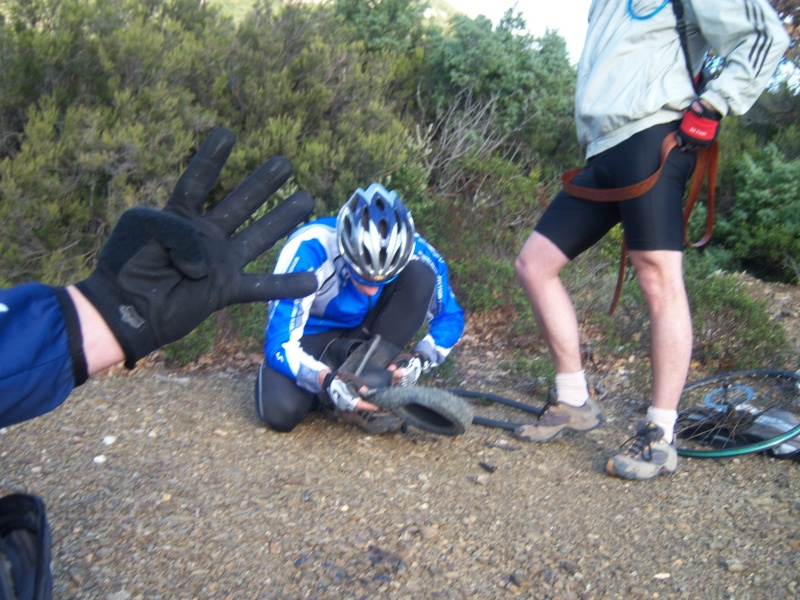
(733, 414)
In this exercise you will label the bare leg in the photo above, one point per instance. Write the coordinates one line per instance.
(538, 265)
(660, 275)
(568, 407)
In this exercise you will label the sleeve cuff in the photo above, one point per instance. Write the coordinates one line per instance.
(80, 370)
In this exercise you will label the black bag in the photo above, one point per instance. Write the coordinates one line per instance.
(24, 549)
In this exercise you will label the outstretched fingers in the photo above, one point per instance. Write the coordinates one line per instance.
(249, 195)
(201, 173)
(257, 237)
(260, 288)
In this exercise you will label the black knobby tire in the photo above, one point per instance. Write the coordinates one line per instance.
(734, 413)
(430, 409)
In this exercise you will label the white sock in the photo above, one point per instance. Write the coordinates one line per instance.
(571, 388)
(665, 419)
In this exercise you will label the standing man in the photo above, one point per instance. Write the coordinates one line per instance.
(633, 90)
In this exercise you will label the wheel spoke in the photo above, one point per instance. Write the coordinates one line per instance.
(739, 412)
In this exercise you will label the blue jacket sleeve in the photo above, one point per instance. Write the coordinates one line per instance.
(36, 366)
(445, 315)
(288, 318)
(447, 324)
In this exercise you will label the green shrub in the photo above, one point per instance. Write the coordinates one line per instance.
(485, 283)
(249, 322)
(732, 330)
(762, 228)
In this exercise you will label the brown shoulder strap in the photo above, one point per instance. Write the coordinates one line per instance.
(704, 170)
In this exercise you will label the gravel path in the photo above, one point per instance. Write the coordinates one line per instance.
(192, 498)
(165, 486)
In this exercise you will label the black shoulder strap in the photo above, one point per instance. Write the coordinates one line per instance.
(677, 7)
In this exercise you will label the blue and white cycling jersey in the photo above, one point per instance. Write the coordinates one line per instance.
(337, 304)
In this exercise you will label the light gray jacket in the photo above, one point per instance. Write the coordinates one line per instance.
(632, 73)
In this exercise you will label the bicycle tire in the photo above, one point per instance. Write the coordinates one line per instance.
(430, 409)
(722, 413)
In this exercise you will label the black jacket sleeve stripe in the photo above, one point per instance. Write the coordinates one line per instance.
(763, 41)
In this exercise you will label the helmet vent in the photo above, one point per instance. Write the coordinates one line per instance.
(375, 233)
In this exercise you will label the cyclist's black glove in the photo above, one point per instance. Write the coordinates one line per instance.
(699, 127)
(162, 272)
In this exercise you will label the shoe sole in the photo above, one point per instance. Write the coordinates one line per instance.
(632, 476)
(560, 432)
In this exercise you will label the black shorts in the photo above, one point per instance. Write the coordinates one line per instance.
(653, 221)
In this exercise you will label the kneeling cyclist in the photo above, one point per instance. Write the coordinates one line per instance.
(376, 277)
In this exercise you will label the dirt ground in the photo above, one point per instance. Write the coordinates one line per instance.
(164, 485)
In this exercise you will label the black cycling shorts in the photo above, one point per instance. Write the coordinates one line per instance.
(653, 221)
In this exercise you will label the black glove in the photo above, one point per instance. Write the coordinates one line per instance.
(163, 272)
(343, 388)
(699, 127)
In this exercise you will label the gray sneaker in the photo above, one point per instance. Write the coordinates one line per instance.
(647, 457)
(372, 421)
(557, 418)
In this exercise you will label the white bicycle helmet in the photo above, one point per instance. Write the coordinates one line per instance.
(376, 234)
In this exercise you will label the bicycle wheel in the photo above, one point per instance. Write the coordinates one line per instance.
(738, 413)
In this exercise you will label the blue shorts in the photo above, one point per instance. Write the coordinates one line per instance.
(653, 221)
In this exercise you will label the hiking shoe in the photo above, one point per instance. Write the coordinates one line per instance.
(647, 457)
(372, 421)
(557, 418)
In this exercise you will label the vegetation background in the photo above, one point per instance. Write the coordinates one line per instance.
(102, 103)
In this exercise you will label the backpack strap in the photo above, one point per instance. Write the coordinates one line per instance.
(682, 27)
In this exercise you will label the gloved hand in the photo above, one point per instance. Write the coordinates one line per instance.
(411, 364)
(427, 354)
(344, 389)
(162, 272)
(699, 127)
